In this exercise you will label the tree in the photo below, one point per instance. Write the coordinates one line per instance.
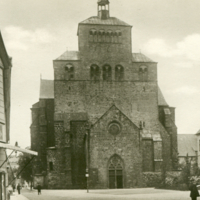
(11, 174)
(186, 172)
(26, 174)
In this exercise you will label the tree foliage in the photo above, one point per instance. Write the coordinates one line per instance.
(11, 174)
(26, 174)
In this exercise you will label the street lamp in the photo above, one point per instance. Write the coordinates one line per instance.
(87, 134)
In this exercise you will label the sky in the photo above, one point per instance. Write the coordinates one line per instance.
(36, 32)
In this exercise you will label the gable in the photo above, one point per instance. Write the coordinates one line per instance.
(113, 114)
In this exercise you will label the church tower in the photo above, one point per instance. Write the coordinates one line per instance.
(116, 91)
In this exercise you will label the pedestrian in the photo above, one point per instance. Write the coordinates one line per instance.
(194, 193)
(13, 187)
(18, 188)
(39, 189)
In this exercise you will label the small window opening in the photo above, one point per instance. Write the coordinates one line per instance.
(51, 166)
(119, 73)
(143, 73)
(107, 73)
(94, 73)
(69, 72)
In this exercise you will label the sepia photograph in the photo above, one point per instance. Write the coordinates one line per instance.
(99, 99)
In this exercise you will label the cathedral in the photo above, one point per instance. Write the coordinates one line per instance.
(103, 121)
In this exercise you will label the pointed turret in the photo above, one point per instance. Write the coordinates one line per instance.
(103, 9)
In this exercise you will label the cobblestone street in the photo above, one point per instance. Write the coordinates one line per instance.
(133, 194)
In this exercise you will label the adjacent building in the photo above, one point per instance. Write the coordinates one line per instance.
(5, 81)
(104, 111)
(189, 148)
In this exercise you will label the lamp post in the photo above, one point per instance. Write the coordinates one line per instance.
(87, 134)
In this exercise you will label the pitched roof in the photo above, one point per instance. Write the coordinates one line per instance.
(109, 21)
(187, 144)
(198, 132)
(69, 55)
(75, 55)
(3, 54)
(103, 2)
(161, 98)
(46, 89)
(139, 57)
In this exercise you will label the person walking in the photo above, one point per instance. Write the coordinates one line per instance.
(13, 186)
(18, 188)
(39, 189)
(194, 193)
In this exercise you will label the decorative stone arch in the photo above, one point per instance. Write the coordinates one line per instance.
(115, 172)
(143, 73)
(107, 72)
(119, 72)
(69, 71)
(94, 72)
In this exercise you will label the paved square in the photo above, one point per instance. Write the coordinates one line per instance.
(133, 194)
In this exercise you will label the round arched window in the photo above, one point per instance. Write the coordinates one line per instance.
(114, 128)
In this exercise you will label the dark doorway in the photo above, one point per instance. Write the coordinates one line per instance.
(112, 179)
(119, 179)
(115, 172)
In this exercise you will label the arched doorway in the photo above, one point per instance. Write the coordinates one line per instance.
(115, 172)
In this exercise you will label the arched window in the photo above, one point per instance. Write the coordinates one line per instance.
(103, 36)
(115, 172)
(94, 73)
(109, 36)
(115, 37)
(100, 35)
(107, 73)
(119, 73)
(93, 35)
(119, 36)
(143, 73)
(69, 72)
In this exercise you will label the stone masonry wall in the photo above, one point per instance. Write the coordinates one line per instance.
(103, 145)
(96, 98)
(82, 69)
(121, 51)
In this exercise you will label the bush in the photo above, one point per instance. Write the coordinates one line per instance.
(151, 179)
(195, 180)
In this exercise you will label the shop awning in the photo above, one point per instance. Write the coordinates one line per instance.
(15, 148)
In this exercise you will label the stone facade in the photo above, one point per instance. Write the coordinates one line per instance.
(114, 90)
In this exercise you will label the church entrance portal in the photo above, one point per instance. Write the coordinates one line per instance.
(115, 172)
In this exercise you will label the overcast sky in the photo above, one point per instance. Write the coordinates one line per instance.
(36, 32)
